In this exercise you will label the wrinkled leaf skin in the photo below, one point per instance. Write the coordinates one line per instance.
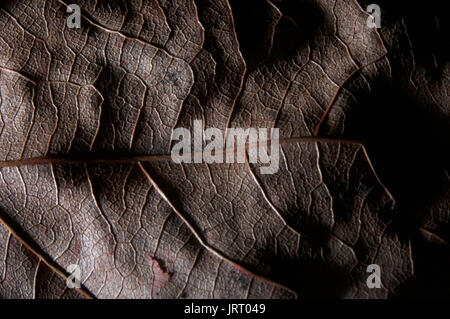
(86, 121)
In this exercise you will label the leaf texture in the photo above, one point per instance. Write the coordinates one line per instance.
(87, 118)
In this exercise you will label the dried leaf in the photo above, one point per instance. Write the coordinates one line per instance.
(86, 178)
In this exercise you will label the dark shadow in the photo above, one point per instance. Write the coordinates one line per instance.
(312, 278)
(431, 270)
(261, 39)
(252, 19)
(299, 24)
(5, 4)
(427, 25)
(408, 144)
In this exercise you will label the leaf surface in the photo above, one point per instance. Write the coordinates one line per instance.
(87, 118)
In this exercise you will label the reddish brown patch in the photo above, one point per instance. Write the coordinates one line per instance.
(160, 276)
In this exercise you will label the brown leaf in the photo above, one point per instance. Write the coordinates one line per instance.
(86, 178)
